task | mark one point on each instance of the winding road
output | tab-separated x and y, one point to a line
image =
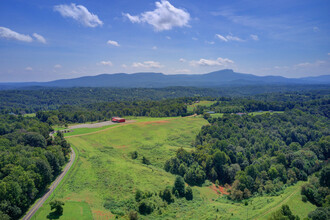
51	189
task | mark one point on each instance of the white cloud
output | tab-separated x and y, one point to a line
218	62
228	38
194	38
147	64
154	48
28	68
254	37
164	17
9	34
39	38
168	38
233	38
182	71
106	63
124	66
79	13
308	64
210	42
328	54
57	66
113	43
221	37
182	60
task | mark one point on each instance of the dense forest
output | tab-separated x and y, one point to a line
262	153
37	98
104	111
29	161
251	154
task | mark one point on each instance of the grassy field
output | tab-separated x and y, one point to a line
265	112
30	115
190	108
105	173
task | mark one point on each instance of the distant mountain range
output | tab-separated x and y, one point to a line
221	78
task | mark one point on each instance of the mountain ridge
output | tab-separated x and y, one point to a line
225	77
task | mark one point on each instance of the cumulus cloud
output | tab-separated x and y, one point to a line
79	13
113	43
28	68
164	17
182	60
218	62
254	37
39	38
154	48
9	34
57	66
228	38
147	64
106	63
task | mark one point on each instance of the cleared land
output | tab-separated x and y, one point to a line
190	108
105	172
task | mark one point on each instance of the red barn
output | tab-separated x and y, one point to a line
117	119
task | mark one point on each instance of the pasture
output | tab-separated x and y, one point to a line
104	178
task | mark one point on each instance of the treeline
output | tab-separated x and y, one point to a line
316	102
29	161
104	111
39	99
256	154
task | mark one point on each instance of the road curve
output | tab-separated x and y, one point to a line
41	201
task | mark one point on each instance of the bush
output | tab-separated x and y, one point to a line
167	196
304	198
189	193
179	186
320	214
145	207
134	155
133	215
145	161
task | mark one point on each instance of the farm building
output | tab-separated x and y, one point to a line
117	119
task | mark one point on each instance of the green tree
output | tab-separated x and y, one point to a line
189	193
179	186
58	206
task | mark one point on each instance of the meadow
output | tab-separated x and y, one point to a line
104	178
190	108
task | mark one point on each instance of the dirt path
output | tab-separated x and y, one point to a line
95	132
94	125
51	189
278	206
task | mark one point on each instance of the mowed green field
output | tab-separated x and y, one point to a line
104	171
190	108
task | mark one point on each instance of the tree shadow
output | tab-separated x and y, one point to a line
54	215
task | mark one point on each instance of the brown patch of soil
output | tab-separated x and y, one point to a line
218	189
153	122
102	215
121	147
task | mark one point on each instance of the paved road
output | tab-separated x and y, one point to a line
41	201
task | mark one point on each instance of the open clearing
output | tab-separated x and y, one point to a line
104	171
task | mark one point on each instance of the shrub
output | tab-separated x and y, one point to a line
189	193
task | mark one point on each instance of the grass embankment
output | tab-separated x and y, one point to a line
104	171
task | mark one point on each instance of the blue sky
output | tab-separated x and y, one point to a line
46	40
